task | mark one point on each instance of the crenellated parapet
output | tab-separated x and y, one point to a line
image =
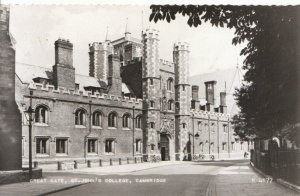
49	91
201	113
95	46
151	34
181	46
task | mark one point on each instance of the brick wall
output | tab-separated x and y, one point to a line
10	118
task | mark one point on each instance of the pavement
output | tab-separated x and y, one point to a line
165	178
241	179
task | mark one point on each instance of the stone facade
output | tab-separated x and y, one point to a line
132	104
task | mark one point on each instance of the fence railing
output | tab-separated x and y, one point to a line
284	164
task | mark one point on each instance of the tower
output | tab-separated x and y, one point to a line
63	70
182	99
99	53
151	92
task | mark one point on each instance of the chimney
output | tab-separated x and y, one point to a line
114	76
195	97
223	107
63	70
210	94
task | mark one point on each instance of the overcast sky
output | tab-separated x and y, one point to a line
35	29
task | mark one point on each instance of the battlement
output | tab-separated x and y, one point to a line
179	46
198	112
100	46
134	60
151	34
166	63
85	95
64	43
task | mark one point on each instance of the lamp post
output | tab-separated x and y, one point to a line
30	111
133	127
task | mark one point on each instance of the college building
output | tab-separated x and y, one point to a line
132	104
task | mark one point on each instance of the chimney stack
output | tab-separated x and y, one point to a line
195	97
63	70
210	94
114	76
223	107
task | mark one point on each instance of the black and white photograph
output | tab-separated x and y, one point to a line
149	98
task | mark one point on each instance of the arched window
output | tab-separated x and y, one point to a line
152	103
170	105
80	117
112	119
41	114
125	120
170	84
97	119
138	122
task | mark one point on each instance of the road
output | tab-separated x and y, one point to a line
188	178
225	178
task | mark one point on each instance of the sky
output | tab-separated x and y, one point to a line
36	27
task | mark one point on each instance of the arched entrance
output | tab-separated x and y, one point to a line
164	147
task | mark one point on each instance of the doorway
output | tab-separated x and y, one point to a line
164	147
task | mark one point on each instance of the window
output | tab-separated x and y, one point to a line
42	145
183	88
138	146
184	125
62	146
76	86
224	144
225	128
170	84
152	125
110	146
170	105
177	105
200	126
92	145
152	146
97	119
212	147
41	113
151	104
80	117
125	120
201	146
151	81
112	119
138	122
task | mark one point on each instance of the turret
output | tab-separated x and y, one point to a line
99	53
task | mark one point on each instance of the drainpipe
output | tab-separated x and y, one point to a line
228	140
90	130
208	134
218	138
193	136
133	127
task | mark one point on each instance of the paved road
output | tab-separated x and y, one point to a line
226	178
178	179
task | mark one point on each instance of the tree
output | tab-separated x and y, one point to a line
269	96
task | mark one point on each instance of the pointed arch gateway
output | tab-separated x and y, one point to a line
165	139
